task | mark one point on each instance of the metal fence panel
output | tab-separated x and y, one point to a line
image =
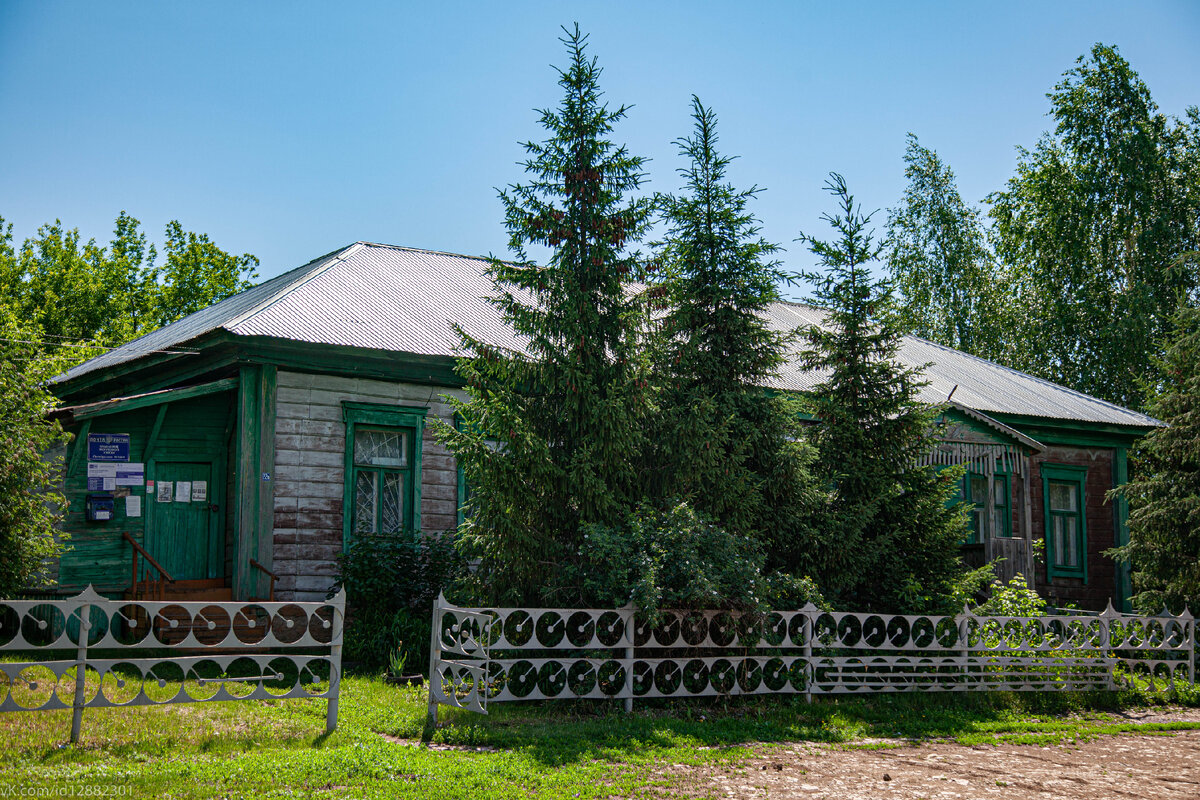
482	655
135	653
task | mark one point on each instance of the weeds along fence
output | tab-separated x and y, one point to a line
143	653
489	655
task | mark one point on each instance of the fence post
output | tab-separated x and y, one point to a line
335	660
85	627
628	611
1106	650
810	669
435	639
965	637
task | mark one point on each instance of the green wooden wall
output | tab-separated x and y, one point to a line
191	430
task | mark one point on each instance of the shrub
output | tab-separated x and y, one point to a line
391	580
677	558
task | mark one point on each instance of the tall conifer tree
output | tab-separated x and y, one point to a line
551	434
891	543
725	445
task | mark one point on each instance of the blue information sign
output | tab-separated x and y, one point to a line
108	447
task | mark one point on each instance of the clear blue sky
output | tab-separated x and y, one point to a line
290	129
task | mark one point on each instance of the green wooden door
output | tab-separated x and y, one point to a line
183	533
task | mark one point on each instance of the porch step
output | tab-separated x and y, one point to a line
194	591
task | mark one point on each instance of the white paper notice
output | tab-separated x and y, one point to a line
133	505
164	491
199	491
183	491
131	474
100	469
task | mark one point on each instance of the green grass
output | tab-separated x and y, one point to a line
568	749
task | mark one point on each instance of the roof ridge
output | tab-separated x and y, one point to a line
316	267
408	249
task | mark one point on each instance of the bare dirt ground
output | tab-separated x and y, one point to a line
1165	766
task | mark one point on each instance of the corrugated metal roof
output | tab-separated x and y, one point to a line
406	300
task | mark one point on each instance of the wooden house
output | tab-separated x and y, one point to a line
240	449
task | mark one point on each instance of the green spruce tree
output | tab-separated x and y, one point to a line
552	433
724	445
889	541
1164	496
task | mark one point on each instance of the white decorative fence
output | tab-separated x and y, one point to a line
136	653
482	655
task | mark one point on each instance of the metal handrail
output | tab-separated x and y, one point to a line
269	574
164	577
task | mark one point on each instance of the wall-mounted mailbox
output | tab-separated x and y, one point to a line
98	507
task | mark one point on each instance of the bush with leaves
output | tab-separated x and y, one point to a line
391	580
678	558
31	453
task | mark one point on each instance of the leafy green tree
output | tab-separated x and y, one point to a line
31	452
83	297
552	434
950	289
1092	225
724	445
889	541
1164	495
197	274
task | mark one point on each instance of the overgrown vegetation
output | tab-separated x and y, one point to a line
31	458
1164	495
391	580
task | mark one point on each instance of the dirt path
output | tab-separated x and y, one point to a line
1144	766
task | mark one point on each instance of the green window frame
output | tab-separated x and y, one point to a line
975	484
1064	500
972	490
382	476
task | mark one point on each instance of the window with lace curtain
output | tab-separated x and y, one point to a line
383	469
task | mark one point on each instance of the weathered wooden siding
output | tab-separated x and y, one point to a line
1094	593
310	452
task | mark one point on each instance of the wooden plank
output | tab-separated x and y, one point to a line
246	481
267	391
148	453
79	448
153	399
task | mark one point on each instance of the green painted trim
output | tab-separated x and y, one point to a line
220	350
246	480
359	362
78	448
152	441
1123	590
1073	474
1073	432
154	399
265	548
461	478
386	416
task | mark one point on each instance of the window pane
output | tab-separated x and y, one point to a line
381	448
1064	496
1060	545
1001	492
1000	520
1072	542
978	489
391	509
364	502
